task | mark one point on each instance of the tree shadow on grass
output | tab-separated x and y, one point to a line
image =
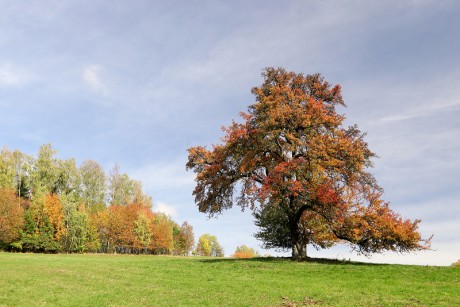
289	259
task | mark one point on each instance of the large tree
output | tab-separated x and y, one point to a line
292	152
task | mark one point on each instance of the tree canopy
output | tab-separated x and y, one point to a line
292	154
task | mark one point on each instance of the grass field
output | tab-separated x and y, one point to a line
95	280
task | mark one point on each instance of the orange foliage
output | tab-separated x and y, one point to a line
243	255
121	225
162	234
11	216
244	252
55	213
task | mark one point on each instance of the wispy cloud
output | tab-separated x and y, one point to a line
11	75
92	75
428	110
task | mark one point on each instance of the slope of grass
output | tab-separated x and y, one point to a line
94	280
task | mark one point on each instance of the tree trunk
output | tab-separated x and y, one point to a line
299	251
299	247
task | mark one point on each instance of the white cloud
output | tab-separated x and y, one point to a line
165	208
11	75
92	77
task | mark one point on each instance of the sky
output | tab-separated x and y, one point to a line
138	82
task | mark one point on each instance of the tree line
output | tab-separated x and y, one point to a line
51	205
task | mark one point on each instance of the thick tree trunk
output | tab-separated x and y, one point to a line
299	246
299	251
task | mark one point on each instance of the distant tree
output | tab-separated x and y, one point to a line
121	227
22	163
11	217
68	178
99	221
456	263
7	169
44	174
188	238
93	188
79	235
162	234
209	246
55	214
122	190
184	239
292	152
142	231
42	228
139	197
14	167
244	251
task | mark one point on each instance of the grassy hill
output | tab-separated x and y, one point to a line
94	280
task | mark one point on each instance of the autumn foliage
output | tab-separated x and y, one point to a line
11	216
55	214
244	252
51	205
292	155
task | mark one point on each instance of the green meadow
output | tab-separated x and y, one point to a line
129	280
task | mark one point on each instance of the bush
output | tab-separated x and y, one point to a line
244	251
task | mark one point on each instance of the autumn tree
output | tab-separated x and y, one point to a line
43	224
208	245
184	239
162	234
121	227
55	213
99	221
244	251
11	217
292	152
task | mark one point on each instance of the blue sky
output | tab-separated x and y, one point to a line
138	82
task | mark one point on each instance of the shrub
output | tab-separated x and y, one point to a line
244	251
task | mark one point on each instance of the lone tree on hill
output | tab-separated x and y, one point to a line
292	154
